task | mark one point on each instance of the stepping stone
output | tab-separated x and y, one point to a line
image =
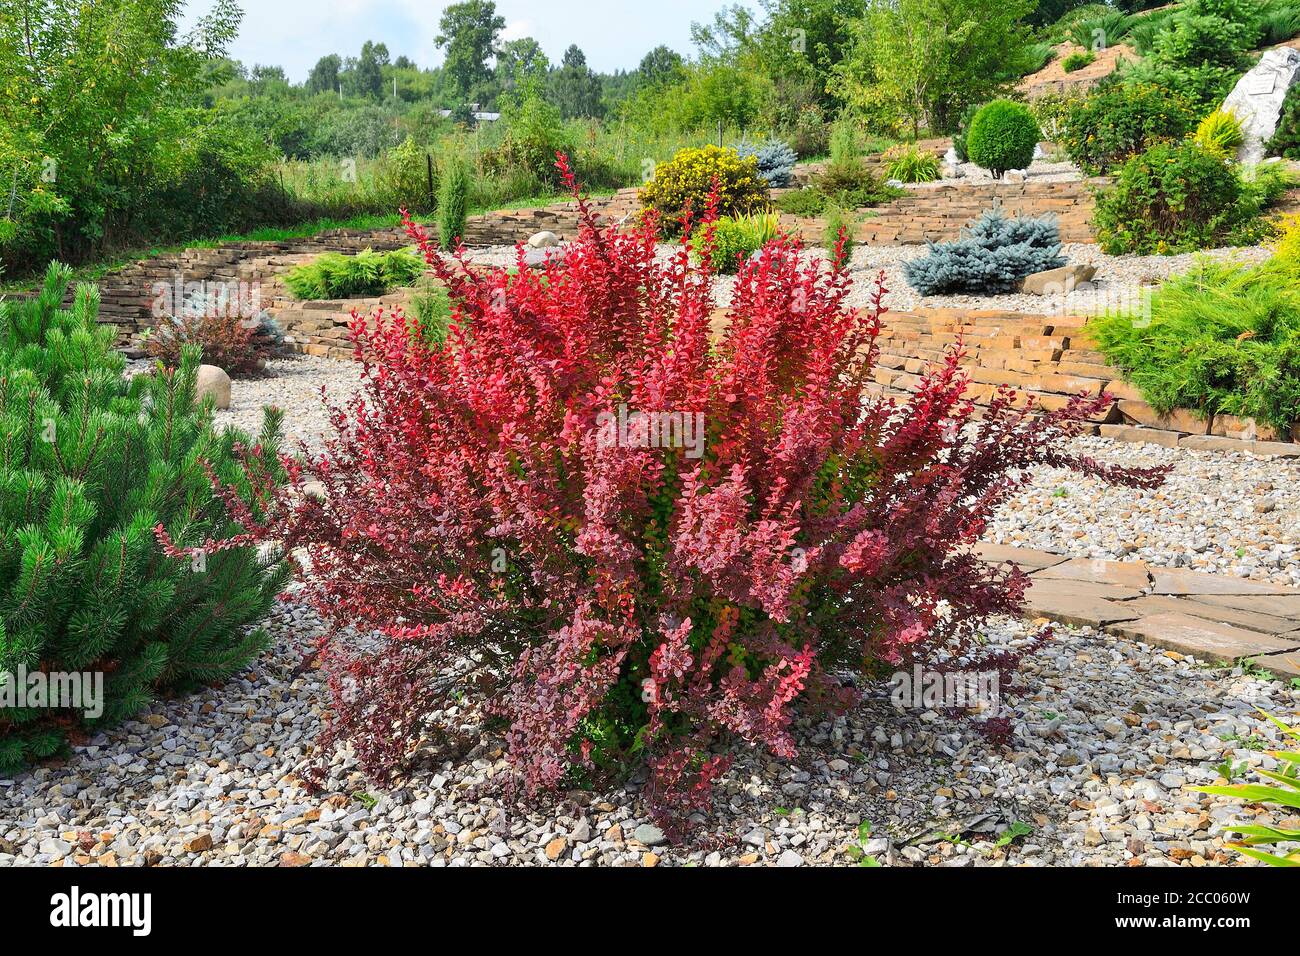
1285	665
1050	587
1080	603
1129	574
1278	605
1027	558
1208	640
1079	611
1197	582
1251	620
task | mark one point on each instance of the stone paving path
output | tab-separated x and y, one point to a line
1212	617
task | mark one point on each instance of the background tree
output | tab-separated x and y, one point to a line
916	63
661	65
469	36
101	105
365	74
520	60
574	87
324	76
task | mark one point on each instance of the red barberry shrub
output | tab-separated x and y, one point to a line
229	340
615	591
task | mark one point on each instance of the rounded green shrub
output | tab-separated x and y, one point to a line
1175	197
1002	136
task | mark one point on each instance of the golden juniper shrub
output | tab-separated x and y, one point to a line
1286	246
689	175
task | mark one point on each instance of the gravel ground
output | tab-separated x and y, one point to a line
1039	171
1108	732
1107	736
293	384
1231	513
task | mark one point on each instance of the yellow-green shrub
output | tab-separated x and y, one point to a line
1286	246
1220	134
737	237
688	178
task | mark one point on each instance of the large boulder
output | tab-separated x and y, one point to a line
215	382
1257	98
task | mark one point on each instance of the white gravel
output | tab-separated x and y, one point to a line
1040	171
294	384
1106	737
1229	513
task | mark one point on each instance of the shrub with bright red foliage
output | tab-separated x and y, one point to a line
618	602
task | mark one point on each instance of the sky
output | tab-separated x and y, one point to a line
614	34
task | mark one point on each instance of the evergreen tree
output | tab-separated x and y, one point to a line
90	464
575	89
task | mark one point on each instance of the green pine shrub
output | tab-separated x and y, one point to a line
1177	197
1116	123
1286	139
1222	338
1002	136
1200	50
91	462
333	275
992	256
453	203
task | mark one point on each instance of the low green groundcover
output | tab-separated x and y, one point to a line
1222	338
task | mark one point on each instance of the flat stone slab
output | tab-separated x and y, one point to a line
1193	582
1265	449
1285	665
1129	574
1080	603
1209	640
1042	588
1028	558
1279	605
1078	610
1251	620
